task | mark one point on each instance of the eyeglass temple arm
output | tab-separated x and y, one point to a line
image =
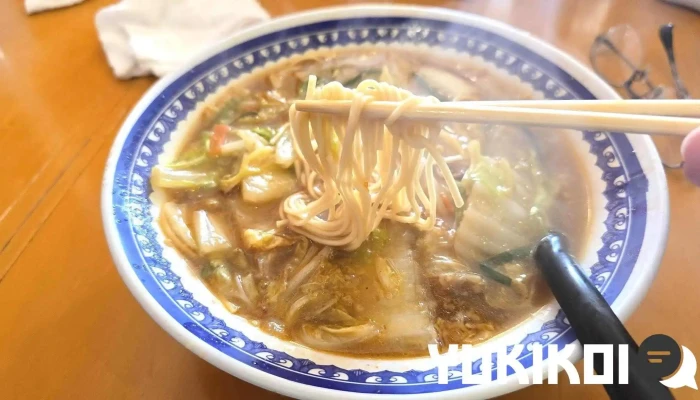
666	36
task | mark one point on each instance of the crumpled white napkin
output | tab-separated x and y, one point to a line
35	6
143	37
693	4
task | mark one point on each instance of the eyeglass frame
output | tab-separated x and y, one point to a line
638	75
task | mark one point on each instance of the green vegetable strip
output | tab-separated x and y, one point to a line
508	256
247	115
228	113
170	178
195	156
495	275
424	85
264	132
488	266
190	162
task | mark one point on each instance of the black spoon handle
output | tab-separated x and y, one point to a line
592	318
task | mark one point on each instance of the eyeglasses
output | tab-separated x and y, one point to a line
618	57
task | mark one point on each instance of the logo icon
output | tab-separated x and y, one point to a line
662	357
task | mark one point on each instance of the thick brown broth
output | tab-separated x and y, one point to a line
403	288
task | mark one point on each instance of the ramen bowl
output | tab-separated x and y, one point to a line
625	241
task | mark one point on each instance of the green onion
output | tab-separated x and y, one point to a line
488	266
247	115
264	132
426	87
508	256
495	275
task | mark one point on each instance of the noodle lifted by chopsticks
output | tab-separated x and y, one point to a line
358	172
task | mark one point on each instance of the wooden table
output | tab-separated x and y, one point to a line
69	328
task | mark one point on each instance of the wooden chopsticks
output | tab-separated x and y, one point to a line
651	117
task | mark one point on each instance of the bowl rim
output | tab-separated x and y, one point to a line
626	302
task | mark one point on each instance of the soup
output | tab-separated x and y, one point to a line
425	271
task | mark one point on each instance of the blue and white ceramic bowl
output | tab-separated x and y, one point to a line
629	214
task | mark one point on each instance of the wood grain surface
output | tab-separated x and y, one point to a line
69	328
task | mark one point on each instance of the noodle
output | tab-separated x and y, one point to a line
357	172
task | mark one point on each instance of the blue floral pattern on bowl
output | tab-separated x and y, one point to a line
625	192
